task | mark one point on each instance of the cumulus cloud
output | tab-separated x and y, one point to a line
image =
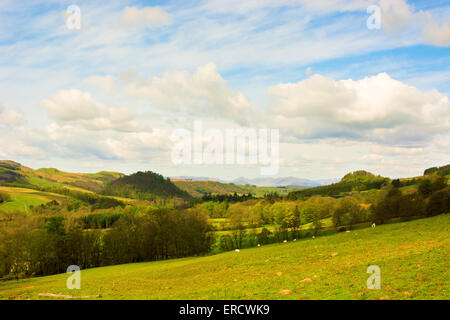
9	118
151	17
139	145
397	16
204	92
79	108
376	108
387	150
105	83
438	35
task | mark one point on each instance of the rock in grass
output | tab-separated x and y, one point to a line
285	292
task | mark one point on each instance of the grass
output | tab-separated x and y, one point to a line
413	257
217	222
12	173
198	188
22	198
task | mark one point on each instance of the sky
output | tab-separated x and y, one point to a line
344	92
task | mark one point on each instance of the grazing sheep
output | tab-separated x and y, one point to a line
259	245
313	237
294	240
373	225
237	250
285	241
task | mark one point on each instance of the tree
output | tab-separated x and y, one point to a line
388	205
348	212
439	202
426	187
292	220
411	205
396	183
317	224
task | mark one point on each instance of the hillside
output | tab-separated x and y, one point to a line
412	256
198	188
145	186
15	174
441	171
354	181
23	198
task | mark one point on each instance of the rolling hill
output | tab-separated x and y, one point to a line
412	257
354	181
15	174
197	188
145	186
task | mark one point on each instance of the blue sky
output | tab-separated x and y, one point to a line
344	97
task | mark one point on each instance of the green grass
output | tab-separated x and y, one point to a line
22	198
327	222
198	188
413	257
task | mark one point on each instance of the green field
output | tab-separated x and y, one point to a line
22	198
413	257
198	188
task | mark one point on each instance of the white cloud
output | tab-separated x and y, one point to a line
397	150
139	145
250	6
151	17
205	92
9	118
79	108
435	34
376	108
397	16
105	83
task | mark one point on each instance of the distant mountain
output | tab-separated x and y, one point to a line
281	182
264	182
197	179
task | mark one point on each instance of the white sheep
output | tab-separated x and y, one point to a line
237	250
285	241
259	245
294	240
373	225
313	237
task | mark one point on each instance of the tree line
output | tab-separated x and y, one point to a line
431	198
38	246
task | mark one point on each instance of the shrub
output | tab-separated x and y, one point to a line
4	197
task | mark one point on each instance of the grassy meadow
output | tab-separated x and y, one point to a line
22	198
413	257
